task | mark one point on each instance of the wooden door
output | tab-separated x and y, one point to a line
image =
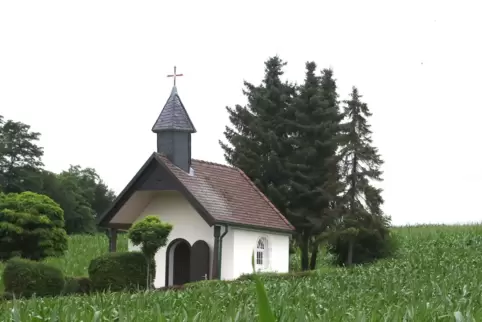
199	261
181	264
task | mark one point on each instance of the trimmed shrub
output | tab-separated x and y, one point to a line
151	234
120	271
31	226
24	278
271	276
77	285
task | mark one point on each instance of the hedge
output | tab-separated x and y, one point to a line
120	271
77	285
24	278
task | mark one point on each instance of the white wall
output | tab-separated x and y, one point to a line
227	255
173	208
244	243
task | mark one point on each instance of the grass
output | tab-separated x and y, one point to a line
435	277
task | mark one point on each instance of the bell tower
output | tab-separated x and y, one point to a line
173	128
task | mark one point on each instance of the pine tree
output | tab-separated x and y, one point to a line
315	184
257	142
363	233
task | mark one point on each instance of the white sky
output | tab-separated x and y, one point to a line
91	77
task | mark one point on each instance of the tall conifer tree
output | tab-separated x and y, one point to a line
315	183
257	141
363	234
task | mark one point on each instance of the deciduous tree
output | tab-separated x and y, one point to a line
20	156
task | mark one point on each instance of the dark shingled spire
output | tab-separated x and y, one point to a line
173	116
173	128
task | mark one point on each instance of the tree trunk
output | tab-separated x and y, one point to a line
305	247
148	283
314	255
349	259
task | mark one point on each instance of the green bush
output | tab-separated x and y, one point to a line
368	246
24	278
77	285
120	271
31	226
269	276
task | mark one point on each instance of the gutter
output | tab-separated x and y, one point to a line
220	251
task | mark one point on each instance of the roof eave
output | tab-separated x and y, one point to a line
257	227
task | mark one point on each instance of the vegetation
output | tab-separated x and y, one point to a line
31	226
120	271
313	162
77	285
425	281
150	234
25	278
363	232
80	191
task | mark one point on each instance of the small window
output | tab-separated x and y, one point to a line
262	253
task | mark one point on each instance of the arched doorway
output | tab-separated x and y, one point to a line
178	262
186	263
199	261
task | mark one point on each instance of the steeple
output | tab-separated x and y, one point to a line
173	128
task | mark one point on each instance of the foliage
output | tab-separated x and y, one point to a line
423	282
25	278
271	276
370	244
315	184
120	271
81	250
80	192
257	142
77	285
151	234
31	226
20	156
87	197
363	229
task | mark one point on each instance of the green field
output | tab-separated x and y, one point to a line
436	276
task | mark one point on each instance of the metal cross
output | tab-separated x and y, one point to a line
175	75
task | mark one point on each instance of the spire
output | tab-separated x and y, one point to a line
173	116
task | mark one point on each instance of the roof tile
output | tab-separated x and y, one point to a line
229	195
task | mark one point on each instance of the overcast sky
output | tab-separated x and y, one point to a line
91	77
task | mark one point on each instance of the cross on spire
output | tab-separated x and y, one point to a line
175	75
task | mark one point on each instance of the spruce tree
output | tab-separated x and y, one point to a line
257	142
363	233
313	163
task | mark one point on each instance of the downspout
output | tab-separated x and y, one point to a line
220	251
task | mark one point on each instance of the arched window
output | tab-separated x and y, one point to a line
262	253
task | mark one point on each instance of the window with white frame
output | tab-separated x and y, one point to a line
262	256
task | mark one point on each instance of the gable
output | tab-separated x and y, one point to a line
153	176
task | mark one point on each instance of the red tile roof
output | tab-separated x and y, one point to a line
229	195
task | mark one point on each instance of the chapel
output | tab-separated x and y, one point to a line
218	214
